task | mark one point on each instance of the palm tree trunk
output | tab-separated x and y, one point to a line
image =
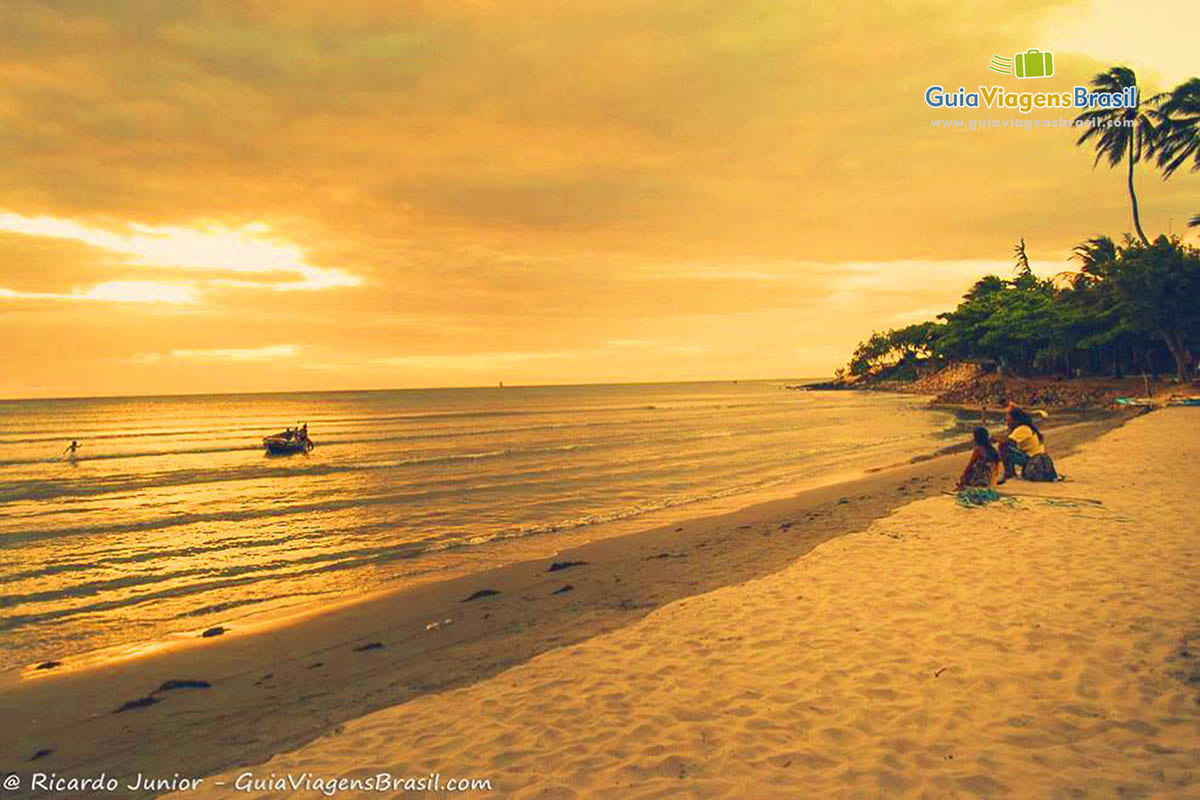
1137	220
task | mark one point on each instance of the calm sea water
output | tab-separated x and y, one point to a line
172	517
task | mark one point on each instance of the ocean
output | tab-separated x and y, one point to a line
171	517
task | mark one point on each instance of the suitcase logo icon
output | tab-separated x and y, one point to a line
1033	63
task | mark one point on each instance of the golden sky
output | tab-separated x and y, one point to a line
236	196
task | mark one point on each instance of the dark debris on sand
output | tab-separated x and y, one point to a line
180	683
369	646
211	632
557	565
141	702
564	589
481	593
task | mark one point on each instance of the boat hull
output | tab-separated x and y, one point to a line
282	447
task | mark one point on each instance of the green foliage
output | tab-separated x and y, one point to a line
906	346
1158	289
1010	323
1130	308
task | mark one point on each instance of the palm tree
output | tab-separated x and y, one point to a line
1022	269
1120	134
1179	130
1094	257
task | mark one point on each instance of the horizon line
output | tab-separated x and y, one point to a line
49	398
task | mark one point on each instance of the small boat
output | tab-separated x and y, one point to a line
1184	401
288	442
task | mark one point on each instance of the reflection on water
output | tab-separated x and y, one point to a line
171	516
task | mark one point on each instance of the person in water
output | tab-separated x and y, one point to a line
1024	446
985	466
71	448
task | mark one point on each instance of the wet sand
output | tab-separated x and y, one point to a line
277	687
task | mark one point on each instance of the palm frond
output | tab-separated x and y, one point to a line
1108	128
1179	128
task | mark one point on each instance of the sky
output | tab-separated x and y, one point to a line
260	196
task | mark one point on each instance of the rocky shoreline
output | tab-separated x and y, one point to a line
966	385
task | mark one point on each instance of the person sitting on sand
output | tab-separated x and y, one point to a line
985	467
1024	446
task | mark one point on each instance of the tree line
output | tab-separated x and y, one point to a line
1130	308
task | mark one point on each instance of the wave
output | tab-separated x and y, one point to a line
58	434
324	442
609	472
35	489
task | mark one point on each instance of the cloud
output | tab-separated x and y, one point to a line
653	345
117	292
245	250
265	353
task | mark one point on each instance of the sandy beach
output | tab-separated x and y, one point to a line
1041	646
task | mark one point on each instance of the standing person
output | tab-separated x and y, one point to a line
1024	446
71	448
985	467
